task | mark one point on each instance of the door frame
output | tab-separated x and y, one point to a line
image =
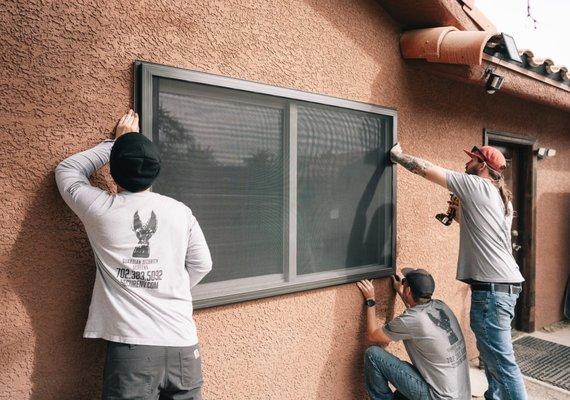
528	146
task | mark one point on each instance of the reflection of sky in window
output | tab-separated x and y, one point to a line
233	130
335	131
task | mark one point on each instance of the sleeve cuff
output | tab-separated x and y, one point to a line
388	333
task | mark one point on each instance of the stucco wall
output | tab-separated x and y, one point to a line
553	227
66	77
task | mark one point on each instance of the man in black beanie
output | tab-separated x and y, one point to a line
149	252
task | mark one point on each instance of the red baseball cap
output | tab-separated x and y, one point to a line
493	157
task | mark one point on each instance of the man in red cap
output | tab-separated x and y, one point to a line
485	258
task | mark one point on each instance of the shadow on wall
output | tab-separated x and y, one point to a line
351	379
553	259
358	244
51	270
348	383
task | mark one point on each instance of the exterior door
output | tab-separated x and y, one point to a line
520	178
514	175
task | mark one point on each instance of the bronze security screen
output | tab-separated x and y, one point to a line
223	158
292	190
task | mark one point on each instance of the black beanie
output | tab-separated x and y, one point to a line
135	162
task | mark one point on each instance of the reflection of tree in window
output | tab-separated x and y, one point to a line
183	158
264	167
340	202
234	186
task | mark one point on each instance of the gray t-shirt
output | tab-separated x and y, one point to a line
485	252
434	341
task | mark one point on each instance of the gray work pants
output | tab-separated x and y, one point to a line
136	372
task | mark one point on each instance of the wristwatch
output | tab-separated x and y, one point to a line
370	303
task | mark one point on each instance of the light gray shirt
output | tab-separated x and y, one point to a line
435	344
149	252
485	252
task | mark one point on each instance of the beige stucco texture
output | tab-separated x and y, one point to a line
66	75
553	228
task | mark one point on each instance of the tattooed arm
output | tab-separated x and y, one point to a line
419	167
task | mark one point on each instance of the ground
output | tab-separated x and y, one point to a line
558	333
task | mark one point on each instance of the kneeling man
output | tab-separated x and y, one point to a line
432	338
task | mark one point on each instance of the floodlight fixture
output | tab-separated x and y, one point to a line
544	152
494	81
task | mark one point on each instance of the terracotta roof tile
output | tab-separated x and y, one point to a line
543	66
443	38
446	45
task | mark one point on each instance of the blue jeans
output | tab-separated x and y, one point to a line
381	367
491	316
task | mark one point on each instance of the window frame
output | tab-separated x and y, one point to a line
250	288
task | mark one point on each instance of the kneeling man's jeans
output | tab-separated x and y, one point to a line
491	316
134	372
381	367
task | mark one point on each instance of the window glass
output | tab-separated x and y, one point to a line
223	158
343	192
273	227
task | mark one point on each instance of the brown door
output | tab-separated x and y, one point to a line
514	175
519	178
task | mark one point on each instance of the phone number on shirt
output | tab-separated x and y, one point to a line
125	273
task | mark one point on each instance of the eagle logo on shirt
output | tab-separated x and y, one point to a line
444	323
144	232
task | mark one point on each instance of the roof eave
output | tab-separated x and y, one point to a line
518	81
462	14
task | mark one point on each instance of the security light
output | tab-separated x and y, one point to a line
494	81
543	153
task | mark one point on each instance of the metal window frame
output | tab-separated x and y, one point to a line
238	290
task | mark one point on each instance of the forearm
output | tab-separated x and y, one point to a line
198	257
199	265
374	332
422	168
80	166
371	321
197	274
72	177
413	164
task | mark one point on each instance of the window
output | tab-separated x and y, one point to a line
293	190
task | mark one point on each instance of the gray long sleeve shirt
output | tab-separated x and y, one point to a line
149	252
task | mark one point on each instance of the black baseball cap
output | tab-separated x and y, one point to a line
135	162
420	281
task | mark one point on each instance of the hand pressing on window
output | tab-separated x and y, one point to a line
366	288
127	124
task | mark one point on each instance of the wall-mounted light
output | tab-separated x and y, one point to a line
543	153
494	81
